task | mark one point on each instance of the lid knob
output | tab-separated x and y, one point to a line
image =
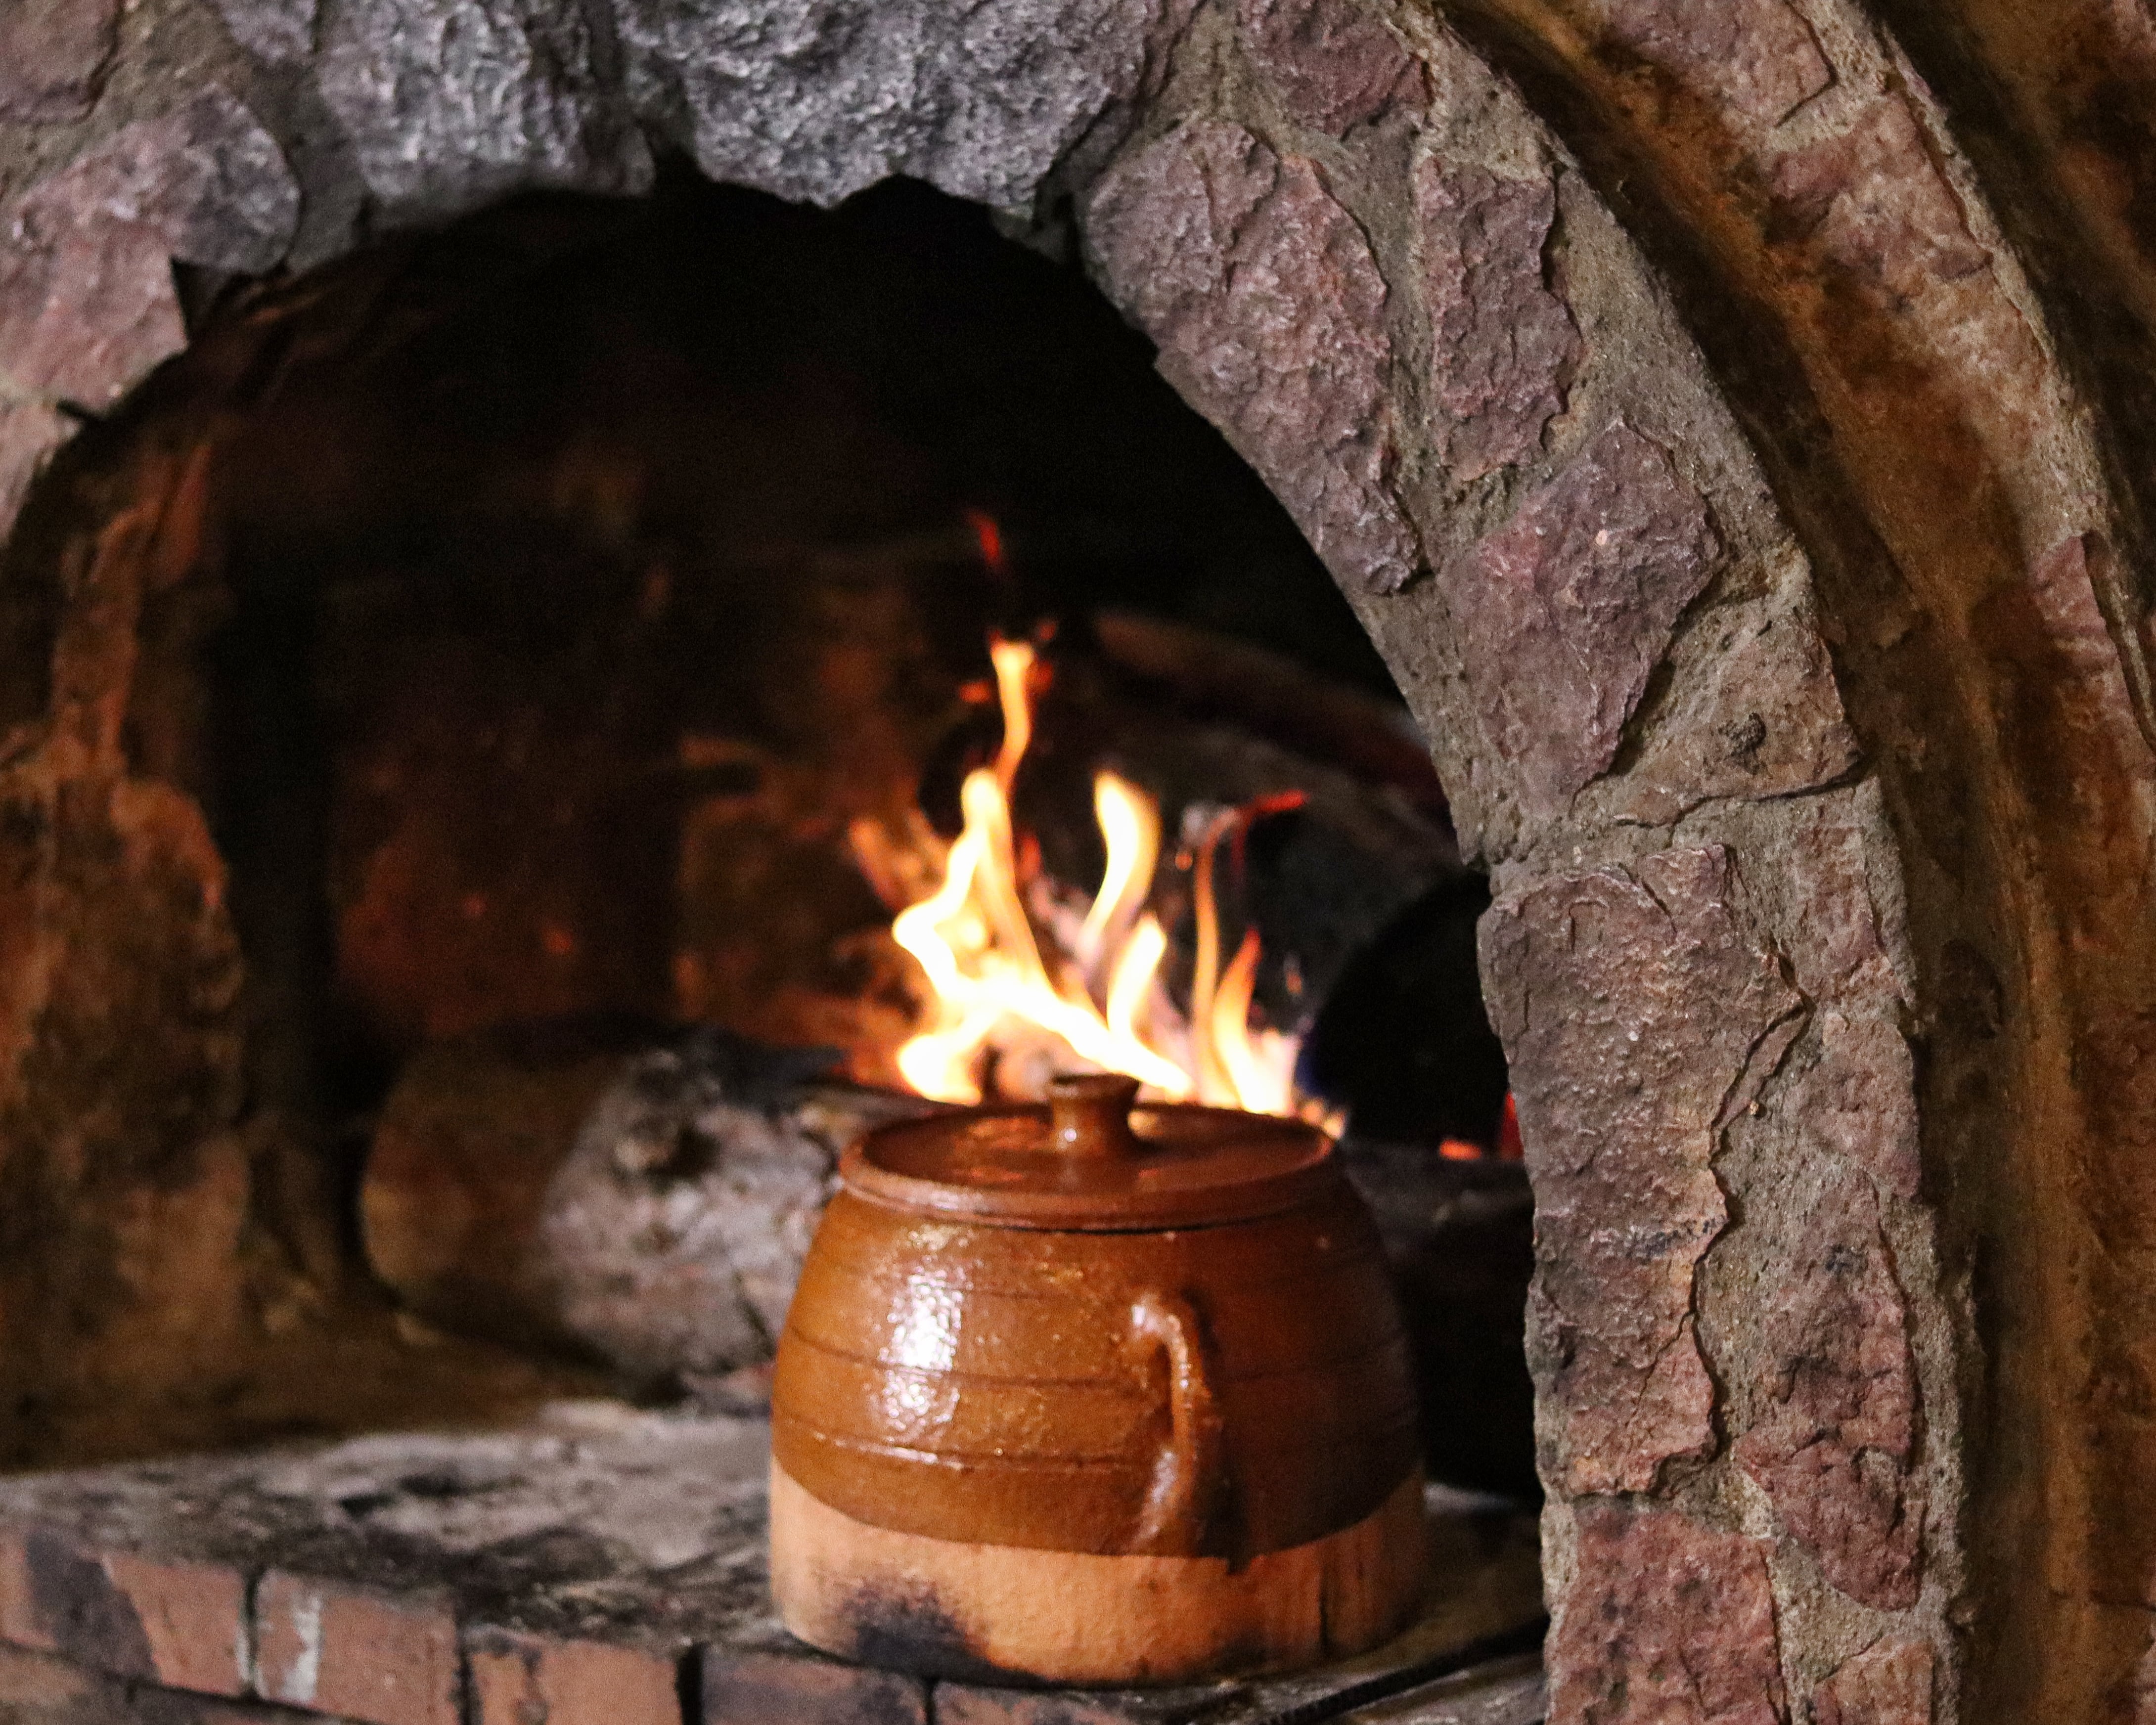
1089	1114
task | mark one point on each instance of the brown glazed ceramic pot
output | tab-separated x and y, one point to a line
1093	1395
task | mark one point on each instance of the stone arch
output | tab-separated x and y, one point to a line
1690	437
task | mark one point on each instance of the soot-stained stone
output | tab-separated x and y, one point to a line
1872	200
450	104
1753	60
1860	1096
1334	64
1637	1015
173	1622
273	30
87	304
1503	346
815	99
783	1689
1889	1683
1833	1450
1667	1622
1263	296
1568	608
53	54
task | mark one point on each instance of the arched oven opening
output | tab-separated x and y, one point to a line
586	631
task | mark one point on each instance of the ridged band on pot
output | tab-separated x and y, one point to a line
1033	1331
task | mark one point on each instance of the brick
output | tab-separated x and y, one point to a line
1637	1014
39	1689
87	305
1264	301
965	1704
1872	201
1568	607
1889	1683
166	1620
1335	65
1751	60
54	56
1666	1621
19	1623
521	1679
1833	1449
1503	346
169	1706
769	1688
333	1647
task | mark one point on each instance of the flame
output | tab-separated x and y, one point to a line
993	989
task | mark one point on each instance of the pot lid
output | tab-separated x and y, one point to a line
1090	1159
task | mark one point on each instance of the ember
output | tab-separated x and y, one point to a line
1007	1007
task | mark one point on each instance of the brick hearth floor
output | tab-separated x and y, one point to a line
597	1565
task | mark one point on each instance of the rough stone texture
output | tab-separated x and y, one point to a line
53	54
1637	1015
1335	65
277	31
1826	891
1503	346
1833	1451
1756	59
535	1679
1265	302
1566	608
87	304
2062	591
1873	202
29	433
1754	711
1860	1096
1666	1622
1889	1683
815	99
452	104
388	1658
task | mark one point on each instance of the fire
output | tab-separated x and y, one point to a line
1094	1000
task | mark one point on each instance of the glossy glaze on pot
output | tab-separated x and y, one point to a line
1217	1390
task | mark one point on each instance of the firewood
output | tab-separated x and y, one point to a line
642	1200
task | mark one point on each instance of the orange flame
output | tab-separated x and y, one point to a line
993	989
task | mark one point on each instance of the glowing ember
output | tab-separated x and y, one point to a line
1000	1004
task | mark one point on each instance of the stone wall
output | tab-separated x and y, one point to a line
1722	416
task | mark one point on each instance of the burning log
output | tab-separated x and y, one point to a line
1131	887
640	1198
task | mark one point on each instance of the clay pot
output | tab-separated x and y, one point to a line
1094	1395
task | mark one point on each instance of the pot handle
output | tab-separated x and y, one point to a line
1190	1475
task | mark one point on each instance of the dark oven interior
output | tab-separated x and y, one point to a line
575	626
